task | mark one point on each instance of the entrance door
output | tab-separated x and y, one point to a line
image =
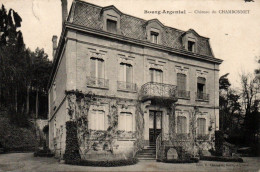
155	125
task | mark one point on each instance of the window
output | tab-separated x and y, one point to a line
111	26
201	125
97	68
154	37
181	81
156	75
54	91
201	82
181	124
191	46
125	121
96	120
126	73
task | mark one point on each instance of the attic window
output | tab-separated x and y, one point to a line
154	37
191	46
111	26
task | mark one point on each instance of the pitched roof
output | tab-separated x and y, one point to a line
90	15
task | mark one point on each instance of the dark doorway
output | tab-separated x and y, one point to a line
155	126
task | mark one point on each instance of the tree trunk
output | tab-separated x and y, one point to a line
28	100
16	104
36	104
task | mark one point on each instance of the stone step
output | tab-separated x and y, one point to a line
149	147
147	153
147	159
146	156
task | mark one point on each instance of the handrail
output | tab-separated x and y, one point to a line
158	144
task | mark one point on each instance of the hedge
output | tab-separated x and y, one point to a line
72	146
43	153
108	163
221	159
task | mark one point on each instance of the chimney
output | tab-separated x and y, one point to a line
54	45
64	10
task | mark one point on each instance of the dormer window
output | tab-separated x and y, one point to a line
111	26
191	46
154	37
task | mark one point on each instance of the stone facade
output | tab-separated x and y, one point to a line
84	38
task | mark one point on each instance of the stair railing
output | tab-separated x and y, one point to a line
158	144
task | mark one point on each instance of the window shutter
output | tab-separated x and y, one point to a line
201	122
100	68
129	122
93	67
181	81
129	73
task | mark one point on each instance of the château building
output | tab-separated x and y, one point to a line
131	85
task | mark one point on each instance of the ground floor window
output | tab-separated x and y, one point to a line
96	120
201	125
181	124
125	121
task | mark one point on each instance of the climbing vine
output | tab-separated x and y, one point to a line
78	108
139	127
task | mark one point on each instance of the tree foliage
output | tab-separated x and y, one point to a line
229	105
23	73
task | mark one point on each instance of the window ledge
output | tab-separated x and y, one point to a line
185	98
128	91
202	100
98	87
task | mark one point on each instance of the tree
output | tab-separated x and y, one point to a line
230	108
23	73
250	101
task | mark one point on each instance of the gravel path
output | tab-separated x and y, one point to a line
26	162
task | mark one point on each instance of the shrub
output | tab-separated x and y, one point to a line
15	138
72	146
43	153
108	163
220	158
219	140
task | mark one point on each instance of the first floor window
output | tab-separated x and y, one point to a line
156	75
201	84
97	68
201	125
181	124
126	73
96	120
125	121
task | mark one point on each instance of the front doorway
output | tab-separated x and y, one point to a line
155	126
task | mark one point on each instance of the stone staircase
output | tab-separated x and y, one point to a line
148	153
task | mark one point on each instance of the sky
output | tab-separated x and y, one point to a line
234	38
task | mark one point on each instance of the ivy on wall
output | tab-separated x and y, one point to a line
72	146
139	127
78	108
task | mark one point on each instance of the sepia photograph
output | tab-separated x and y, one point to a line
129	85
